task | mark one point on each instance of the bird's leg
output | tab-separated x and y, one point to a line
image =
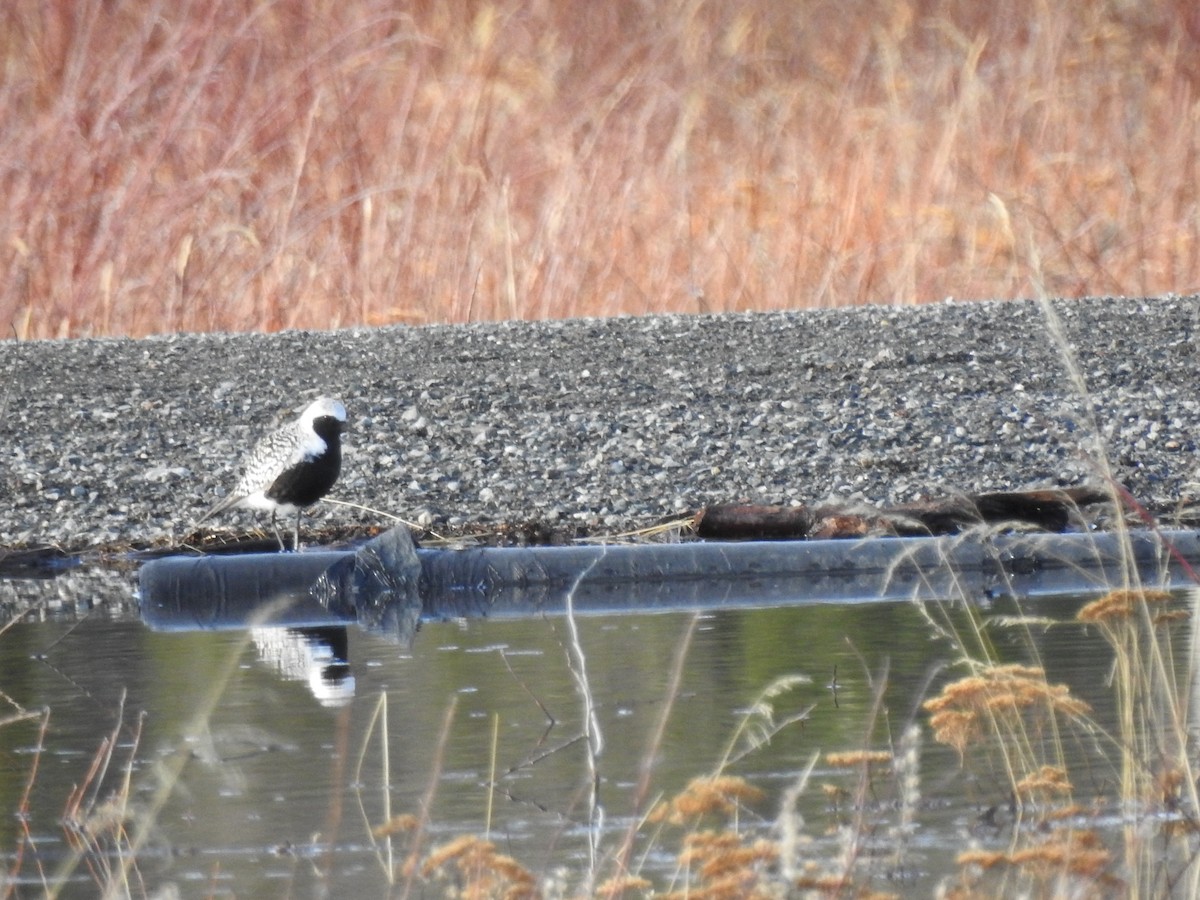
296	536
278	536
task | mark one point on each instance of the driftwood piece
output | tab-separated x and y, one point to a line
1049	510
750	522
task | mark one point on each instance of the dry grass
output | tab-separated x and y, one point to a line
1001	699
251	165
479	871
1012	726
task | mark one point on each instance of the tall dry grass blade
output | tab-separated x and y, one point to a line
411	865
790	824
758	725
594	738
26	839
621	860
493	750
378	719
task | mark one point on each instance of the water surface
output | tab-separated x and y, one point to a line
279	786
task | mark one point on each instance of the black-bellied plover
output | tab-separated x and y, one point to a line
293	467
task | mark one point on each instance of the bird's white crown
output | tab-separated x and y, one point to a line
323	406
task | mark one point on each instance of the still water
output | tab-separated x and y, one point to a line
259	766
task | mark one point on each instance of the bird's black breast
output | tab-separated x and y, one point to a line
308	481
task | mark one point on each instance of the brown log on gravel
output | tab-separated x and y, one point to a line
1050	510
747	522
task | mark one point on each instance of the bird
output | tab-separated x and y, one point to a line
292	467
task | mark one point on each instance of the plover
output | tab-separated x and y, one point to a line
293	467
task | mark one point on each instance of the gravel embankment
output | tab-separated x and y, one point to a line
602	425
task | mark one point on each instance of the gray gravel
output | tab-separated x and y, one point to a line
602	425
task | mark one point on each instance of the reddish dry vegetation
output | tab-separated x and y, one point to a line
254	165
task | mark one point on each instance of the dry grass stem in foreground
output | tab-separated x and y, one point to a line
1000	699
479	871
705	796
1065	861
1120	605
